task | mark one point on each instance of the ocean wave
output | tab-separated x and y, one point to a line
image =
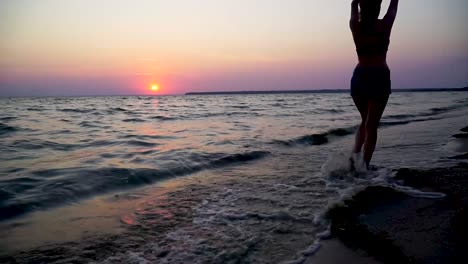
64	132
329	111
36	109
442	110
418	117
461	135
243	157
143	137
409	118
41	144
439	110
323	138
133	120
239	106
393	123
317	139
4	129
400	116
88	124
118	109
239	113
52	187
71	110
4	195
47	144
141	143
97	143
163	118
8	118
250	113
404	122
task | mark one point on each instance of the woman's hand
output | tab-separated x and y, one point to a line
355	4
354	14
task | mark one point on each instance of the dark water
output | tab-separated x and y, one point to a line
262	155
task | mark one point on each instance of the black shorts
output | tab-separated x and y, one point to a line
371	82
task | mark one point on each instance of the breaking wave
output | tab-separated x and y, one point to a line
45	188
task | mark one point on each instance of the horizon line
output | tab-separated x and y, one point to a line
462	89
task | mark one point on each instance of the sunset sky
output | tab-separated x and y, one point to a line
107	47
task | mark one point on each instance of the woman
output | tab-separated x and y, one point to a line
370	85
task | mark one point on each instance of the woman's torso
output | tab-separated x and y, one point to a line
372	45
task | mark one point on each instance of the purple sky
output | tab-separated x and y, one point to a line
54	47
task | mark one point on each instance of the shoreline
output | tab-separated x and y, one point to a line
394	227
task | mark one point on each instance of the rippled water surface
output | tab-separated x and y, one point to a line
251	165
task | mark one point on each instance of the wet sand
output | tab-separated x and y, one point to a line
393	227
334	251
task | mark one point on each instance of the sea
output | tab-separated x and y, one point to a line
199	178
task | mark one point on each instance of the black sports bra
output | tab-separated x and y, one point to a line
372	43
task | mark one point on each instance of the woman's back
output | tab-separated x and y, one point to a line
371	35
372	42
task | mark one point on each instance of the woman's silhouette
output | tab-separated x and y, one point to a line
370	85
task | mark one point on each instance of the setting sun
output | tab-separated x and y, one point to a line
154	87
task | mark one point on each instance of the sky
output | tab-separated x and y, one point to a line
117	47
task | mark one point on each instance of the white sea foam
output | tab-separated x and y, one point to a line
417	193
347	174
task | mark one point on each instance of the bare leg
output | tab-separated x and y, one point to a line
375	110
362	106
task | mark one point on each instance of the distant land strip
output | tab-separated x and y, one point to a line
328	91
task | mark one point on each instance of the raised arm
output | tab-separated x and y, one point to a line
354	14
389	18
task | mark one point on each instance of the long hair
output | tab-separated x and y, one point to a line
369	13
